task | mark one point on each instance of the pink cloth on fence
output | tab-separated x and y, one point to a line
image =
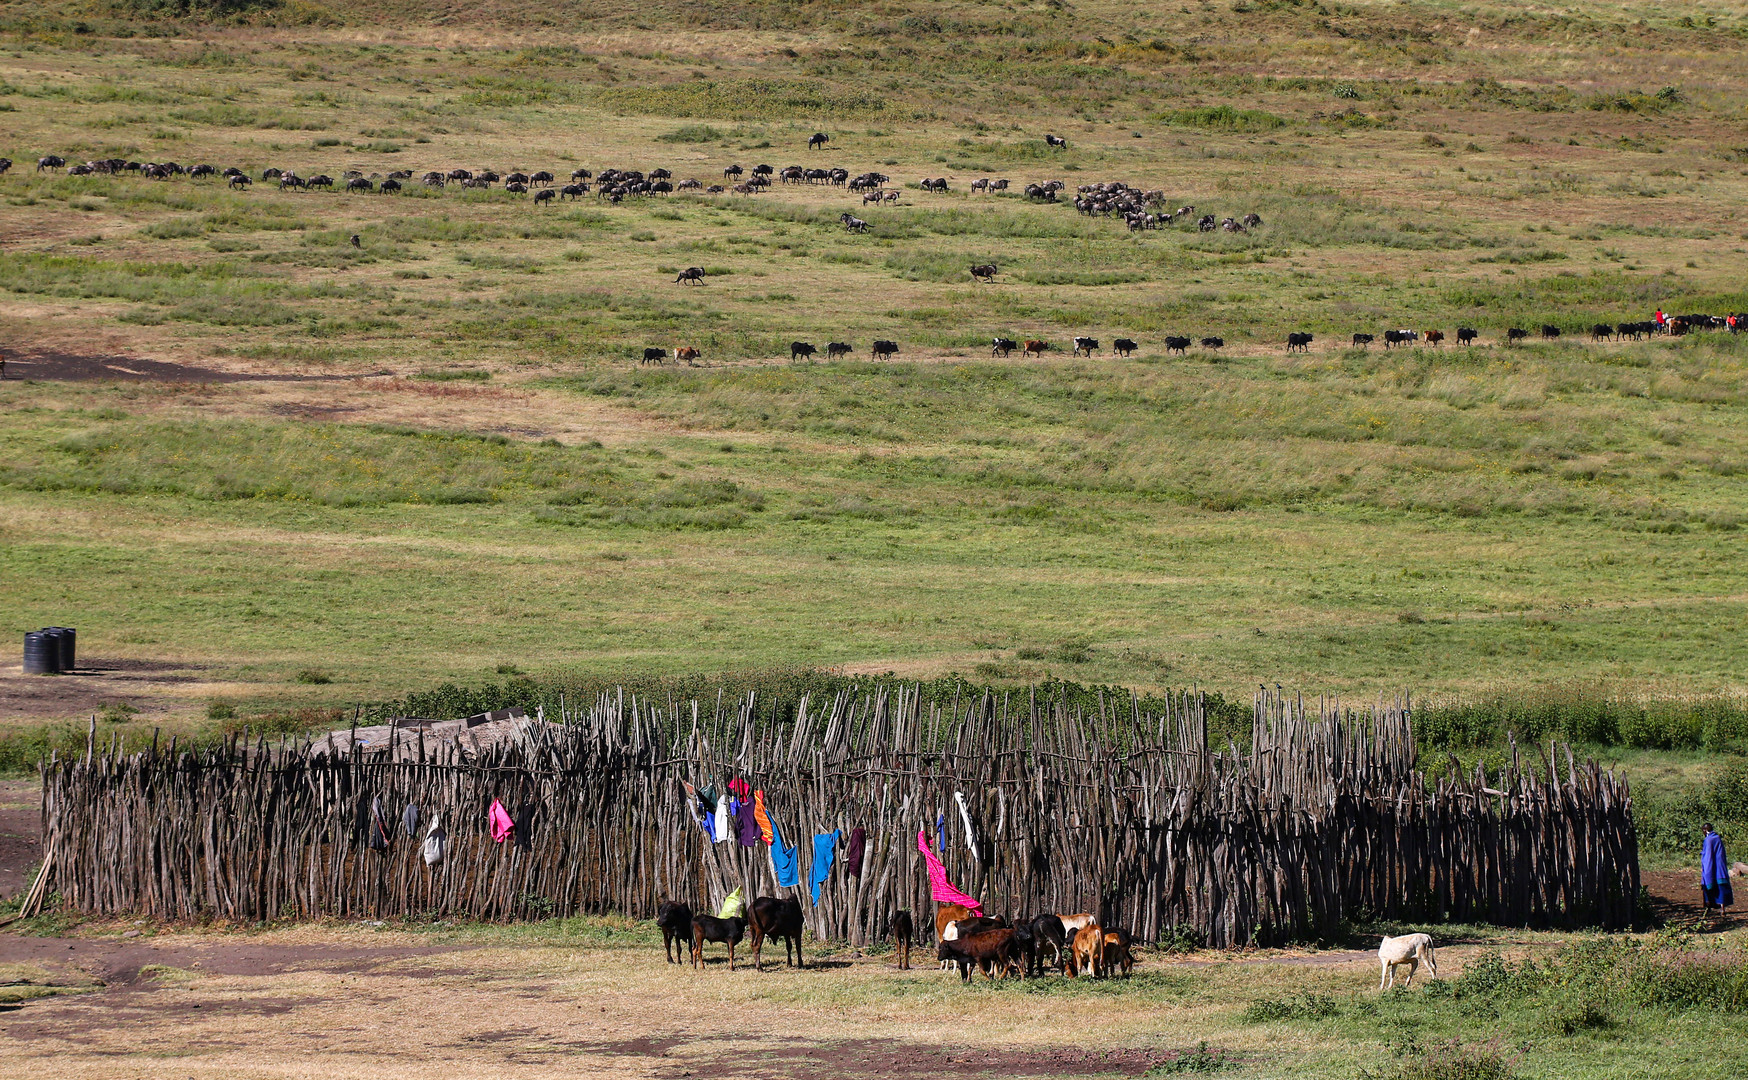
939	887
502	826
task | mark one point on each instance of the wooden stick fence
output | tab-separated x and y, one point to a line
1327	815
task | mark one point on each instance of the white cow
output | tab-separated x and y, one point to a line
1409	950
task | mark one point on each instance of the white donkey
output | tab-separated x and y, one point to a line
1409	950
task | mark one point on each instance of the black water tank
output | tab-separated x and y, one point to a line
69	640
42	654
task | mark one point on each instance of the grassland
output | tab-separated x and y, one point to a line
518	493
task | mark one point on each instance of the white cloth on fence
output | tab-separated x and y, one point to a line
970	836
723	826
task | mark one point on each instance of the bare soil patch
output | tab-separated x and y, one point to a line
72	367
20	834
145	685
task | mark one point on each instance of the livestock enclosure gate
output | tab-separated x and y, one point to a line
1327	815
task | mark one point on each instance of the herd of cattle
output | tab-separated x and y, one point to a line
1072	944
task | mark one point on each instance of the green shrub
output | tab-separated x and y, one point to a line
1224	118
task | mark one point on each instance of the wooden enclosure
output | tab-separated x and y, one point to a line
1327	816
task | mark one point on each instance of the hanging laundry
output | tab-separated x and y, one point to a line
824	849
707	798
436	842
378	828
724	821
941	829
695	804
740	787
970	835
525	826
410	820
939	887
500	821
853	854
761	817
733	907
784	861
746	825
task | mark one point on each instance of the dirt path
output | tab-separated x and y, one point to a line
71	367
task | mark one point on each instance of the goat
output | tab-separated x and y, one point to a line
675	920
710	928
777	918
1410	951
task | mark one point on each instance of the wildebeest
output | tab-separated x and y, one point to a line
773	917
692	275
5	164
357	241
544	195
799	349
1213	343
514	187
1301	342
1002	346
1036	348
581	174
1433	337
239	180
50	162
1515	334
710	928
1601	331
272	174
1252	220
1362	340
1467	334
1550	331
733	172
573	191
1123	346
817	140
1410	951
1176	344
687	353
853	223
201	170
542	177
459	174
902	931
675	920
360	184
835	349
1055	140
984	272
1086	345
653	355
321	180
884	350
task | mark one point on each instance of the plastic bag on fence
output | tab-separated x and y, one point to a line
436	842
733	907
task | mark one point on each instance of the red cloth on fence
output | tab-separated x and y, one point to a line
939	887
740	787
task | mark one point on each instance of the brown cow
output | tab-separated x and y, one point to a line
1088	953
1119	952
990	950
686	353
945	916
1036	348
1433	337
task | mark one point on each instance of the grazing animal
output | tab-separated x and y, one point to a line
1550	332
50	162
544	195
1515	334
1467	334
360	184
1301	342
5	164
1410	951
946	915
1601	331
573	191
1176	345
1119	954
1213	343
1252	220
357	241
687	353
733	172
1086	345
835	349
799	349
1047	930
1055	140
885	350
238	180
817	140
581	174
1002	346
902	931
1088	952
989	951
542	177
1392	338
675	919
1433	337
1362	340
984	272
1123	346
854	224
692	275
723	931
388	186
777	918
1036	348
321	181
653	355
514	187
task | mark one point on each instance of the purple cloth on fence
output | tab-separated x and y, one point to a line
746	826
853	854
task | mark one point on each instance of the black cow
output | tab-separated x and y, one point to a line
902	930
1550	332
1002	346
799	349
885	350
653	355
710	928
1515	334
692	275
1601	331
1123	346
1176	345
1300	342
675	919
835	349
777	918
1466	335
1047	931
1362	340
1213	343
1085	344
1396	337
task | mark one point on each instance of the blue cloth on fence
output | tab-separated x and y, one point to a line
825	847
784	860
941	829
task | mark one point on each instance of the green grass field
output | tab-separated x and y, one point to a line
519	492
